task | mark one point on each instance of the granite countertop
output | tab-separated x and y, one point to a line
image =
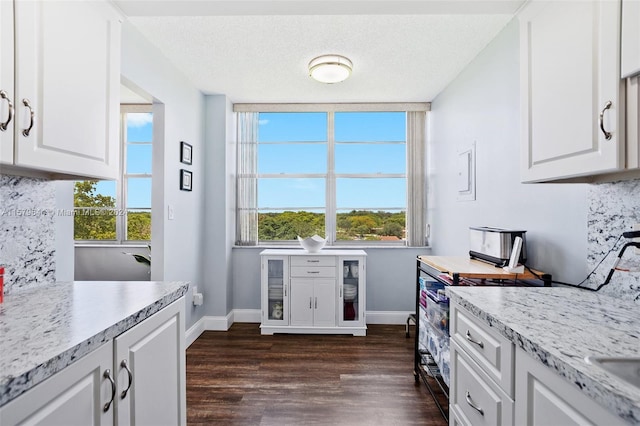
560	327
45	329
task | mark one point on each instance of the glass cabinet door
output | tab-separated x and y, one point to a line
276	291
351	294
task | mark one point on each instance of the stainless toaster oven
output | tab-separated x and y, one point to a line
494	245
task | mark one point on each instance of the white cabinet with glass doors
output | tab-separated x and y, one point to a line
321	293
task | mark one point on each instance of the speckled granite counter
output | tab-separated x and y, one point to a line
44	329
560	327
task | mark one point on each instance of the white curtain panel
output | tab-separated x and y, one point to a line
416	178
247	190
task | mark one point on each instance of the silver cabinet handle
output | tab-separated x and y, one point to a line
107	375
285	289
313	261
32	114
473	405
316	303
313	272
477	342
124	365
607	135
5	125
310	303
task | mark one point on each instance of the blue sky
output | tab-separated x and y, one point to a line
139	129
308	156
352	156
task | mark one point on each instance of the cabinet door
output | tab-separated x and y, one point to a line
275	288
569	72
302	301
6	82
154	352
68	71
351	291
74	396
544	398
324	302
630	44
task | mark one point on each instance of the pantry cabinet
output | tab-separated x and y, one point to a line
137	378
64	89
313	292
572	98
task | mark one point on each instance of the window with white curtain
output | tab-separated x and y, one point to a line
352	174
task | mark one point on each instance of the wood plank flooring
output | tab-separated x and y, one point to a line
242	378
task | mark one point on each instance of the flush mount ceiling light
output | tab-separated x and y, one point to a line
330	68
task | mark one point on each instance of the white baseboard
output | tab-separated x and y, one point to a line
388	317
210	323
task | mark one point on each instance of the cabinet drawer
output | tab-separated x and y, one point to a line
492	351
475	398
313	261
313	271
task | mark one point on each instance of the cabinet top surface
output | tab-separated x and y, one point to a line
45	329
301	252
471	268
560	327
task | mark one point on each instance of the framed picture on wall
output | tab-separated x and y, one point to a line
186	151
185	180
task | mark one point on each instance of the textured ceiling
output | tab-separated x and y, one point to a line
226	47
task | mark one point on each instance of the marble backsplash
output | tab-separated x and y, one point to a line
613	209
27	231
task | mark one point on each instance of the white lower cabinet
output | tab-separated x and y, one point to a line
99	389
492	383
474	397
153	352
313	302
482	363
313	292
77	395
544	398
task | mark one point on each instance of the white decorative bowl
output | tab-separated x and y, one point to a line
312	244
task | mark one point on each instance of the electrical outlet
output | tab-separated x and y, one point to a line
636	227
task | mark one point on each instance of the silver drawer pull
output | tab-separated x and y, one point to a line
607	135
4	95
107	375
474	406
313	261
313	272
469	338
124	365
27	104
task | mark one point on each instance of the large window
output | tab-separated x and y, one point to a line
339	174
120	211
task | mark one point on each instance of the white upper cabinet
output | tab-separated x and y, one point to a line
572	121
630	38
7	93
66	91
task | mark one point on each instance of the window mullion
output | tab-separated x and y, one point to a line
330	213
121	219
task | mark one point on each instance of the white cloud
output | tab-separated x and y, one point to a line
263	122
139	119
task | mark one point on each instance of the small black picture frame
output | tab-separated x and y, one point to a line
185	180
186	153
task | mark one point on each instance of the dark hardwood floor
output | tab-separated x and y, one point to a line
242	378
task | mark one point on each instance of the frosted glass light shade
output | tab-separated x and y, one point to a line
330	68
